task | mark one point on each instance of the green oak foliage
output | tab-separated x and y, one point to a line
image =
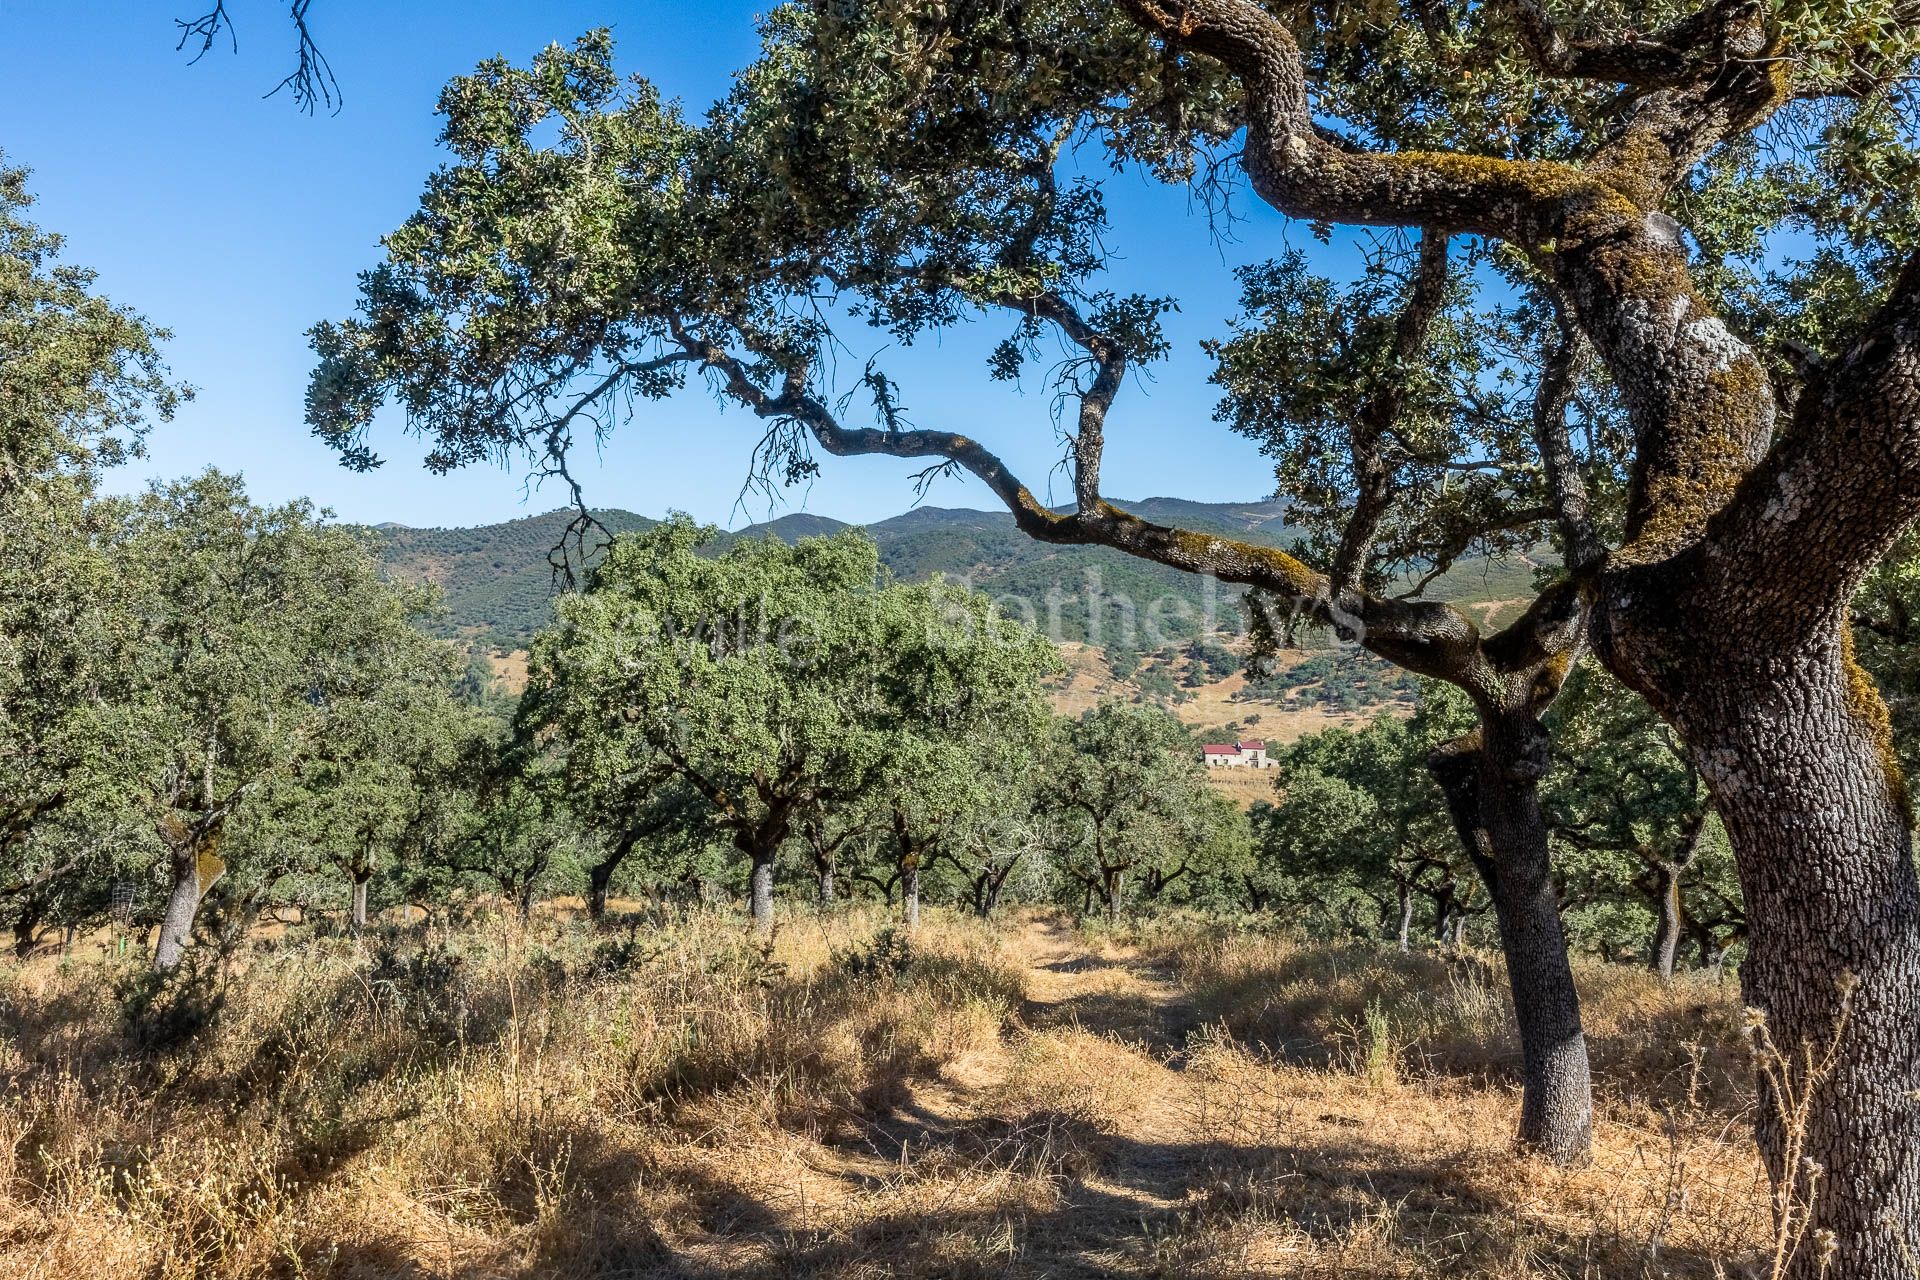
75	728
1308	357
640	814
1359	831
1641	862
81	379
369	793
781	684
926	168
523	838
966	722
1127	798
1632	828
269	639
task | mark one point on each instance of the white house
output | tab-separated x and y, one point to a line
1238	755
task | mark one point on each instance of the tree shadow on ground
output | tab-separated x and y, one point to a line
1147	1209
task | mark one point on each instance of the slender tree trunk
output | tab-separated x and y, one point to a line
1406	917
1666	932
760	893
358	912
1798	754
32	912
26	930
1492	794
1115	884
600	875
1256	900
823	868
599	880
183	904
1444	900
910	892
1703	945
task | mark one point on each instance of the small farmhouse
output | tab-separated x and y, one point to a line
1238	755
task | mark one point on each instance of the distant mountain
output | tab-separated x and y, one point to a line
498	581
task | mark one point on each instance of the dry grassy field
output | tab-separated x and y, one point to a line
1024	1099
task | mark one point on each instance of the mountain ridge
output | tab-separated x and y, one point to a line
498	582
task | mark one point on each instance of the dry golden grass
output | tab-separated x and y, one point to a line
1245	787
1022	1100
1087	681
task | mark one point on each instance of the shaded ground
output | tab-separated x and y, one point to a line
1017	1100
1108	1134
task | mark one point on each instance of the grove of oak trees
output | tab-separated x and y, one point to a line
1583	319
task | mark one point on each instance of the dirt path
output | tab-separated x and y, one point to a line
1094	1135
1090	1080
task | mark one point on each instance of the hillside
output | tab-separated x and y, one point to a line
498	581
1127	629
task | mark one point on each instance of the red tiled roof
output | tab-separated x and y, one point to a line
1253	746
1212	749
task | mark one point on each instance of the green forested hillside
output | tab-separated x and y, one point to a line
498	580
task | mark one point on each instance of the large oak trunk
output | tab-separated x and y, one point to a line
1795	749
1493	796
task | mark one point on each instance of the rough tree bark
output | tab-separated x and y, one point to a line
357	914
1491	782
1795	749
760	892
191	880
910	892
1404	935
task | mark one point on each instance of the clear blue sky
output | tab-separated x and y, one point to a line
239	222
